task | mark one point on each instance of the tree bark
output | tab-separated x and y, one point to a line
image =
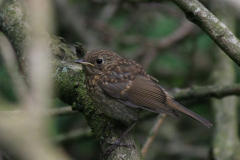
68	78
225	142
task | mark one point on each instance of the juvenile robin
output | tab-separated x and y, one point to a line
119	88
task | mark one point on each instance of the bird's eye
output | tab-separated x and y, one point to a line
99	61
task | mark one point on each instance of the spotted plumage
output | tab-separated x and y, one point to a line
120	87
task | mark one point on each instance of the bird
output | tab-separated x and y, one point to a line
121	88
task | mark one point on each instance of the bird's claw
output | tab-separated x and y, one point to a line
114	146
124	145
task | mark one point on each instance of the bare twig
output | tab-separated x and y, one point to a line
49	112
164	8
184	30
179	34
80	133
206	92
218	31
153	133
149	55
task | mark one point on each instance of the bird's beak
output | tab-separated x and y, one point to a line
81	61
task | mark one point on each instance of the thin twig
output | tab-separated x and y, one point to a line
80	133
49	112
216	91
179	34
153	133
184	30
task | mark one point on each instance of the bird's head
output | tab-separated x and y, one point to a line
98	62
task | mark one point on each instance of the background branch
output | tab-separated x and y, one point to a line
26	136
153	133
226	140
219	32
217	91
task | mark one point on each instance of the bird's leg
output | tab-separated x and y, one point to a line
117	143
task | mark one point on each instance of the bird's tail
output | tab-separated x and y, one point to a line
178	107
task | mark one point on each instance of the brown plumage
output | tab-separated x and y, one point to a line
120	87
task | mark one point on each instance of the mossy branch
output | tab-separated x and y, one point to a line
68	77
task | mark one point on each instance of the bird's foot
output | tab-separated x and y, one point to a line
115	145
118	143
121	144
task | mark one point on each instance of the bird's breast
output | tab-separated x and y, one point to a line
108	105
91	82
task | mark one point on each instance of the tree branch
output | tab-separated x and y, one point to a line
194	92
49	112
224	38
217	91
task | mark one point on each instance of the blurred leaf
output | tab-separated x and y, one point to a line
204	42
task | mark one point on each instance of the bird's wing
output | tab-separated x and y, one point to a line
141	92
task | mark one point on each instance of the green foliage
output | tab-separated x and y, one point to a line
160	27
204	42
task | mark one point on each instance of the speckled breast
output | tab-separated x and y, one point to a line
108	105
